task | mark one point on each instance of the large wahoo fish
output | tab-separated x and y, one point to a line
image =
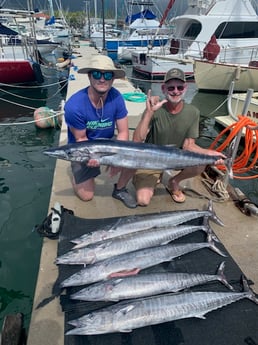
125	316
133	262
148	284
132	155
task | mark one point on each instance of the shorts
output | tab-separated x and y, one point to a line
146	178
81	172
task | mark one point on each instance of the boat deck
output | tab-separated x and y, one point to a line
239	236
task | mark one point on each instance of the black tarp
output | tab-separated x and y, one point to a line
235	324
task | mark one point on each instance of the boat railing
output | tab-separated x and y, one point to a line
228	54
14	47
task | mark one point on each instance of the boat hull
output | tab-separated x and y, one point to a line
18	72
212	76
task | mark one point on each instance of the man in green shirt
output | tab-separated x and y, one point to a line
169	122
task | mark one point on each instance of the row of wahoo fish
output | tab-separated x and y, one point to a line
127	247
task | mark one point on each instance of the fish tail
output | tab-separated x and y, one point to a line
228	164
222	278
213	215
206	227
249	293
213	247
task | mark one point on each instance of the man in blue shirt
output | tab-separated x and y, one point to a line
94	113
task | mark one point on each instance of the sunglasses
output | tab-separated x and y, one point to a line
106	75
178	87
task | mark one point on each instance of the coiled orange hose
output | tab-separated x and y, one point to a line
247	159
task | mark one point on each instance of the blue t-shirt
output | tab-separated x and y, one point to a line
98	123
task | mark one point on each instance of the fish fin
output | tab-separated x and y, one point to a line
125	330
246	288
213	215
200	316
206	228
222	278
125	309
213	247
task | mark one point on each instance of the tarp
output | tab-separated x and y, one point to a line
147	14
4	30
233	324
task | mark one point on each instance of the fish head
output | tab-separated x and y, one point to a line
78	278
72	257
92	323
74	153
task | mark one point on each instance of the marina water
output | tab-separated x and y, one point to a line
26	180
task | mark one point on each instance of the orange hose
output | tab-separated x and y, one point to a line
247	159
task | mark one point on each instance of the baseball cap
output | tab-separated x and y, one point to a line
174	73
102	63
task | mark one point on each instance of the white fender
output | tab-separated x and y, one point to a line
56	218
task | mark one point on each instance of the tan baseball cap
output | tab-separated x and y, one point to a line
174	73
102	63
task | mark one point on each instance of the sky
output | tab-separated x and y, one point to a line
80	5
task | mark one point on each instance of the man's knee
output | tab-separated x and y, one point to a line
144	197
84	195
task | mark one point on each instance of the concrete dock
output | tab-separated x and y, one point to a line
239	236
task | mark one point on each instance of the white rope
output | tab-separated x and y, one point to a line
32	121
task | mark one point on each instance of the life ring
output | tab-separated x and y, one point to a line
135	97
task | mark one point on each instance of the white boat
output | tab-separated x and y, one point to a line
233	23
241	105
217	76
141	32
236	104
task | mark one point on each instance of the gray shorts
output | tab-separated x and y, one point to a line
81	172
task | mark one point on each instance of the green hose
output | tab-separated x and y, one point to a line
135	96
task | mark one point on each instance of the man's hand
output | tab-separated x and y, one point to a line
153	103
93	163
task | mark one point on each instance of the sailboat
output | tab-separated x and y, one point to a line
19	59
57	28
142	27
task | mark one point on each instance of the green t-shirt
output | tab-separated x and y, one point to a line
170	129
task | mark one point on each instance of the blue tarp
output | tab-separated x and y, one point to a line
4	30
147	14
50	21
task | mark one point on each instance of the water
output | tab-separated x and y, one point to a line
26	180
25	185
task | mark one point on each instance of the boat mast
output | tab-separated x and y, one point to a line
169	6
51	8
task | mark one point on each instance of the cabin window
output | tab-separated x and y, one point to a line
229	30
193	30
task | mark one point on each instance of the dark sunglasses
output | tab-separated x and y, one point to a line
178	87
106	75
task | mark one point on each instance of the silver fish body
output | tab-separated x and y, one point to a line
128	315
137	260
127	243
144	285
135	224
132	155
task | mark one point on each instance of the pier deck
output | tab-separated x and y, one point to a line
239	236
